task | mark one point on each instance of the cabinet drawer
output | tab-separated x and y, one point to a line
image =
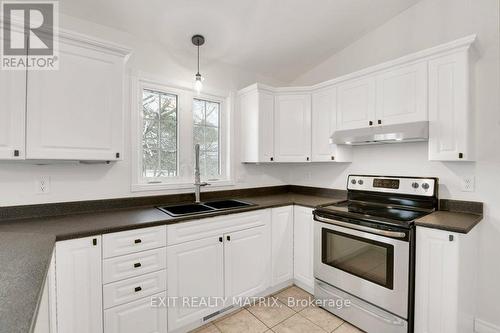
125	242
134	288
131	265
137	317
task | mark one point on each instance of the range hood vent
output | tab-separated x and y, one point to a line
408	132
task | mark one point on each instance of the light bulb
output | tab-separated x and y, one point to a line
198	85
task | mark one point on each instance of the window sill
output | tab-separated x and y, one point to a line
177	186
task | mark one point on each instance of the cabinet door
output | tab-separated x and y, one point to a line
292	126
247	262
194	269
436	282
303	248
356	103
266	127
79	285
138	316
282	245
324	123
12	114
76	112
449	113
402	95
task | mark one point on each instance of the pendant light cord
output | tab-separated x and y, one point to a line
198	59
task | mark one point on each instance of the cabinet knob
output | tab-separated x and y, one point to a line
379	122
370	123
137	264
307	159
228	237
450	237
460	155
272	159
137	289
16	153
94	241
117	155
137	241
333	158
220	239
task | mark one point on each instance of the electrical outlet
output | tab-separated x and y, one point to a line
468	183
43	185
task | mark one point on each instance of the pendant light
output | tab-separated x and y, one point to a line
198	40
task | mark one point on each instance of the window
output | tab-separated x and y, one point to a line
206	128
159	134
169	121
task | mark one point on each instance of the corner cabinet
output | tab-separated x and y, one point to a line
450	116
324	123
79	285
445	281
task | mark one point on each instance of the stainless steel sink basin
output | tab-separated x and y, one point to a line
207	207
226	204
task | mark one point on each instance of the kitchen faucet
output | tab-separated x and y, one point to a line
197	181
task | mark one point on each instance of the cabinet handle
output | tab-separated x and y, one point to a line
333	158
272	159
117	155
228	237
137	241
137	264
307	159
460	155
94	241
220	239
379	122
16	153
137	289
370	123
450	237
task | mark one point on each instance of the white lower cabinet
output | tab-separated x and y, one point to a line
282	245
445	281
247	262
79	285
196	268
233	263
137	316
303	248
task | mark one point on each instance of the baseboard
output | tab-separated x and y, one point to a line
481	326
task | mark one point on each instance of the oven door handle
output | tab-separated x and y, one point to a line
387	233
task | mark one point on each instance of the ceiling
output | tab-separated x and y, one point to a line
277	38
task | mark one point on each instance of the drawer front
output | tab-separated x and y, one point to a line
131	265
137	317
131	241
128	290
189	231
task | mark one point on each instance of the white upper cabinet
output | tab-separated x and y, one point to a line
324	123
257	126
76	112
292	129
12	111
450	127
356	103
402	95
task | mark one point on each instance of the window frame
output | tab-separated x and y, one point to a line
185	137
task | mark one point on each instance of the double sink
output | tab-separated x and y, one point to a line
206	207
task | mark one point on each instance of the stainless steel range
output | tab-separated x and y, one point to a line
364	250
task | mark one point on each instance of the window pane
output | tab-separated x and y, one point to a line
206	130
159	141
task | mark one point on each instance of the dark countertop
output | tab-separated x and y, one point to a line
24	262
450	221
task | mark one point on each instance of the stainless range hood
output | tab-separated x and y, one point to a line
408	132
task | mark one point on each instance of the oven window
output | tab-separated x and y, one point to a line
365	258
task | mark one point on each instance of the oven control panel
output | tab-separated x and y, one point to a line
388	184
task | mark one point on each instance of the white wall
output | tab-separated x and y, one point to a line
429	23
72	181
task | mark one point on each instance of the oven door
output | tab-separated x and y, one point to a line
372	267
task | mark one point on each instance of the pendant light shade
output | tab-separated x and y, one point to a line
198	40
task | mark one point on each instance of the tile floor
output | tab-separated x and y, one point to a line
287	311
